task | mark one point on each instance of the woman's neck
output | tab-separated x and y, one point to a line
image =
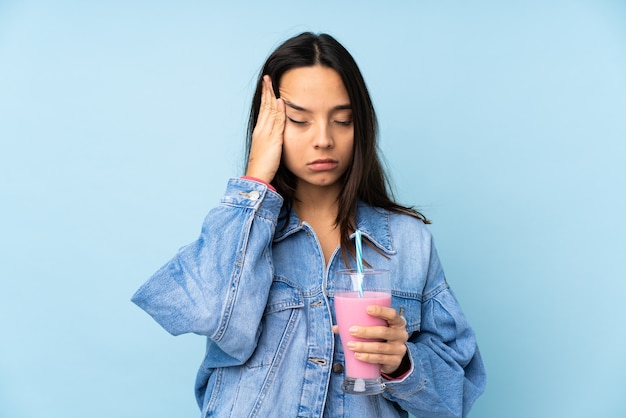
314	203
318	207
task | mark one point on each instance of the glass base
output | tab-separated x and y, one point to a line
363	386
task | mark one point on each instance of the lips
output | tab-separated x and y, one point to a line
323	164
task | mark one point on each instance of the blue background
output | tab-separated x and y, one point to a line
120	122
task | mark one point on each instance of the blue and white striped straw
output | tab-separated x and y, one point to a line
359	262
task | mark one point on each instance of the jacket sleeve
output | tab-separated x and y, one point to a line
447	373
218	285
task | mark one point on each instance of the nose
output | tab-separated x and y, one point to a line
323	137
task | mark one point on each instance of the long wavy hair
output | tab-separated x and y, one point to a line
365	179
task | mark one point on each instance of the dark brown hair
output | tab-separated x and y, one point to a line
366	179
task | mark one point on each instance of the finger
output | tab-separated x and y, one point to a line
270	88
377	347
388	364
393	318
380	333
274	114
390	359
265	91
280	116
391	362
270	97
266	105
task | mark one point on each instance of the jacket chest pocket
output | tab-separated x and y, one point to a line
279	323
411	308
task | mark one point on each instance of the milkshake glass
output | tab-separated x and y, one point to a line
354	292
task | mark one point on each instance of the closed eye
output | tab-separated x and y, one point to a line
297	122
344	122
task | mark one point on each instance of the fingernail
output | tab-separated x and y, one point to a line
351	345
354	330
370	309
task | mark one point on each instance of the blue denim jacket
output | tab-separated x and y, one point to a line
260	290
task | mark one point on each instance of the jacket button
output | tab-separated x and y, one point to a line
338	368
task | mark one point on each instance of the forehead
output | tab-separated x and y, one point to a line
313	87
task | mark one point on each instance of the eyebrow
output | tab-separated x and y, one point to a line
302	109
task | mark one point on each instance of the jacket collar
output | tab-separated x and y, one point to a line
373	223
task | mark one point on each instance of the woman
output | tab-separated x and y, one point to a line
259	280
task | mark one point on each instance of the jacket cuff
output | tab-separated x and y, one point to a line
253	194
269	186
407	384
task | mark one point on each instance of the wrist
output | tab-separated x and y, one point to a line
401	371
253	178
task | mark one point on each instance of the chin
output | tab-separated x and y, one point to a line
325	182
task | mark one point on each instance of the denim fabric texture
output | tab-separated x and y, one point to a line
255	283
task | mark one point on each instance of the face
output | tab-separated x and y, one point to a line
319	133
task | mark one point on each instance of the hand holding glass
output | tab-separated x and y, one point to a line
354	292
